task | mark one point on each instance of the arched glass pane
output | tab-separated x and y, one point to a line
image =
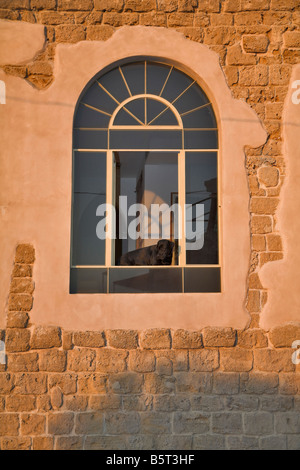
158	114
156	77
135	77
114	83
176	84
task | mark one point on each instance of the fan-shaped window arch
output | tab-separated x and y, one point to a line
145	143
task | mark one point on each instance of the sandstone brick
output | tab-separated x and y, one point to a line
201	20
21	302
242	403
289	383
9	424
269	175
60	423
280	74
226	383
236	360
271	360
39	81
109	5
252	338
232	74
191	422
45	337
204	360
224	19
242	443
25	362
227	423
67	382
137	402
292	39
13	4
53	361
20	403
208	442
287	423
274	110
6	382
44	403
22	270
254	75
122	339
291	56
283	336
126	382
9	15
255	43
107	402
153	422
120	19
212	6
76	403
89	339
254	282
56	397
121	423
89	423
248	18
178	360
69	33
266	257
184	339
92	383
171	403
193	382
32	424
140	5
273	443
255	4
220	35
25	254
156	338
180	19
285	5
253	301
81	360
261	224
75	4
141	361
153	18
41	4
167	5
30	383
17	340
56	18
42	443
110	360
259	383
67	340
69	443
264	205
16	443
218	337
17	320
22	286
164	366
99	33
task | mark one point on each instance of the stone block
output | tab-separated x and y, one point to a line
53	360
91	422
21	302
184	339
226	383
122	339
42	443
25	253
153	422
32	424
205	360
89	339
194	422
141	361
259	383
92	383
69	33
227	423
60	423
9	424
30	383
219	337
109	5
156	338
45	337
126	382
258	423
17	340
21	403
25	362
99	32
269	176
261	224
82	360
111	360
236	360
17	320
69	443
283	336
271	360
122	423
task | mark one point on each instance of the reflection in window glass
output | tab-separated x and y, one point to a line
145	139
140	280
201	191
150	179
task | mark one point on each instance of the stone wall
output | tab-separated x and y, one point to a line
153	389
163	388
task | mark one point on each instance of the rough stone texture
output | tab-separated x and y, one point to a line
208	389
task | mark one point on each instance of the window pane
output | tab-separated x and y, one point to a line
149	179
176	84
95	96
160	114
135	77
91	139
88	249
90	172
88	281
137	108
146	139
142	280
114	83
202	217
156	77
201	139
202	280
191	98
200	118
87	117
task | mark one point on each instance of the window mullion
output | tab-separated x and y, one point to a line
181	201
109	201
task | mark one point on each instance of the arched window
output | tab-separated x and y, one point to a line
145	183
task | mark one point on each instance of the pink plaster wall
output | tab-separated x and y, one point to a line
36	189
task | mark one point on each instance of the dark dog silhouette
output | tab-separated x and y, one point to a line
159	254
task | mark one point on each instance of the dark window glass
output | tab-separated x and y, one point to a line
156	77
202	280
89	139
143	280
95	96
115	85
88	281
135	77
202	217
199	118
160	114
145	139
89	192
88	117
201	139
176	84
